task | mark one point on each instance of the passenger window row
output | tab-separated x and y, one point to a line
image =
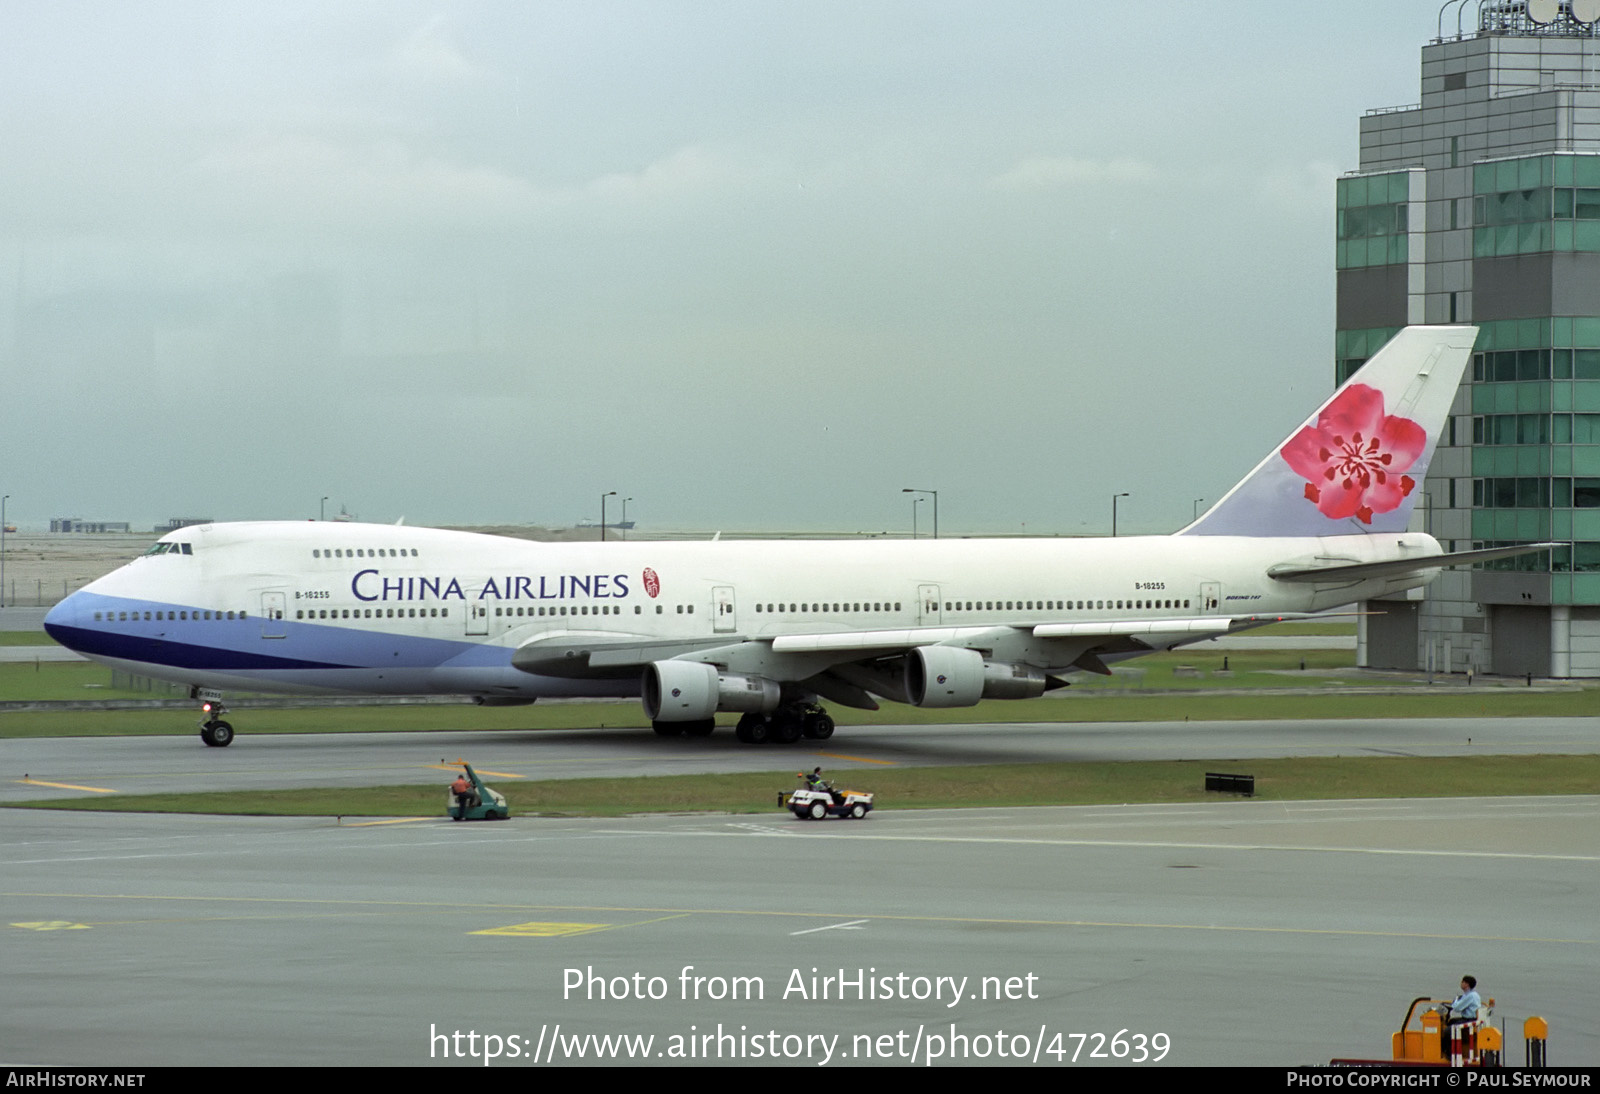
365	552
806	609
165	616
582	609
373	613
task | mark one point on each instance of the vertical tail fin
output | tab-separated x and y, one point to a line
1356	466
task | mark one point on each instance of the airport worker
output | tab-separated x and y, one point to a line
462	789
1464	1007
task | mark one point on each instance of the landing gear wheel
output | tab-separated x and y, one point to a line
217	734
817	726
786	728
818	811
754	729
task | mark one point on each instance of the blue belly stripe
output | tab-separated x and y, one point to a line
164	651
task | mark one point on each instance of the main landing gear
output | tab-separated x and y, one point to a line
701	728
213	730
785	726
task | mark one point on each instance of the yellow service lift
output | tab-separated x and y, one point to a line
1423	1038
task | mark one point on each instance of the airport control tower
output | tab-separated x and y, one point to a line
1482	205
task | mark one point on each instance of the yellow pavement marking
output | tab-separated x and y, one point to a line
391	820
491	774
858	759
544	930
555	930
65	786
53	925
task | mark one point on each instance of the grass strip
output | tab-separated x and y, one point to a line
987	786
25	638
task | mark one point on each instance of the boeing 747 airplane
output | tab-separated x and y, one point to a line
771	629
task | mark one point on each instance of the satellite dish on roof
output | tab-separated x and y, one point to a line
1544	11
1586	11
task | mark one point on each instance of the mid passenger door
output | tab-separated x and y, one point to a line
273	606
723	617
928	611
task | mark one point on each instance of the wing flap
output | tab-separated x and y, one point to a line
1109	628
866	641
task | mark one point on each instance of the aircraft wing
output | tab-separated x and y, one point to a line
795	657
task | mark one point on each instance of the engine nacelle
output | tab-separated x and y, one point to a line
944	676
691	691
1007	680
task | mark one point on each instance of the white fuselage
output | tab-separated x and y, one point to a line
325	607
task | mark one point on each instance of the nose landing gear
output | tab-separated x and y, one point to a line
213	730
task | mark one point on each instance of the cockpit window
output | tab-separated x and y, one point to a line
169	549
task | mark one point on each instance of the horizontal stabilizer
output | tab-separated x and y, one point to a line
1358	571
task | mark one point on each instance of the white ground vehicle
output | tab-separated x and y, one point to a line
822	800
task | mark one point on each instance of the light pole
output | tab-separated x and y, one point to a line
603	497
3	549
914	503
935	493
322	514
624	521
1196	516
1114	498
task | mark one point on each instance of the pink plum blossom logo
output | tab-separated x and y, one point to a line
652	583
1353	456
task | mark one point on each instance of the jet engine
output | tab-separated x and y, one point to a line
944	676
691	691
948	676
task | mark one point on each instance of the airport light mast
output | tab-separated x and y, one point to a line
935	493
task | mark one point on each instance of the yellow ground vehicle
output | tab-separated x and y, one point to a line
1426	1039
1430	1041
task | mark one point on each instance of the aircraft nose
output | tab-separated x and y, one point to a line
62	620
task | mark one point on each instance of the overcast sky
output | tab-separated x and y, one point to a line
752	265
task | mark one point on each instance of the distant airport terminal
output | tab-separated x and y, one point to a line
1481	204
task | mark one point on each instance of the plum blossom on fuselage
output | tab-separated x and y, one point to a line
1353	456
